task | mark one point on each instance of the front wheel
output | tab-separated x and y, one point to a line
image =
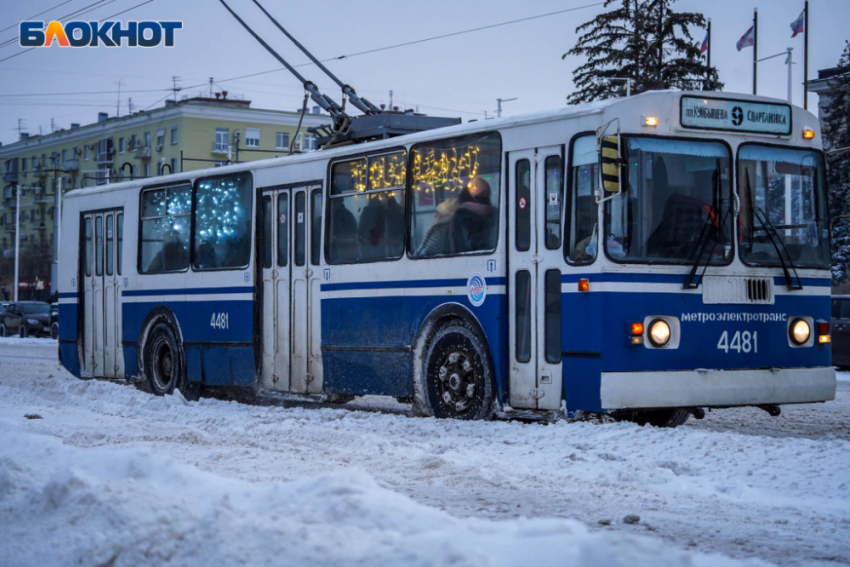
22	331
3	330
54	331
656	418
164	364
458	375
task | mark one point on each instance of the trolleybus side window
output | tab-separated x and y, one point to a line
267	231
316	227
222	215
523	316
300	232
523	207
554	192
283	229
366	216
120	241
581	233
98	246
164	243
110	244
455	195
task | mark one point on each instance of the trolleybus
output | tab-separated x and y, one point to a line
646	257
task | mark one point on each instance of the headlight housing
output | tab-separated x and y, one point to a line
799	331
33	322
659	333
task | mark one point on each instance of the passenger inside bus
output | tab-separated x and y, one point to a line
473	226
172	257
343	245
436	240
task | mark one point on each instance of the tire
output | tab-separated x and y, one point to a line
458	374
54	331
22	331
164	367
3	332
656	418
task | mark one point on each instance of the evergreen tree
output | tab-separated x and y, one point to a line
836	132
644	40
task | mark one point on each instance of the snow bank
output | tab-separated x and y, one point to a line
125	506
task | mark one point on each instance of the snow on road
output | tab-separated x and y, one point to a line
113	476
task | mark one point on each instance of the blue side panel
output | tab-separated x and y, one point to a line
216	364
242	365
389	325
194	319
194	371
68	321
70	358
131	361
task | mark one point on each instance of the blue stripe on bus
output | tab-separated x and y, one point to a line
68	295
189	291
406	284
811	282
673	278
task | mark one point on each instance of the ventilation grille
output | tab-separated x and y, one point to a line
737	291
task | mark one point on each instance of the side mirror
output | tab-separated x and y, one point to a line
610	163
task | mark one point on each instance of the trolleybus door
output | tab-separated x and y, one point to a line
291	356
535	208
101	256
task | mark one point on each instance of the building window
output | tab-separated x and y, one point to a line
164	245
121	145
173	165
86	152
222	237
220	163
282	140
173	135
64	157
160	138
147	170
309	142
134	142
252	137
221	136
147	139
23	165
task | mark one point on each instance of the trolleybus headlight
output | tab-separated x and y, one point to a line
799	331
659	333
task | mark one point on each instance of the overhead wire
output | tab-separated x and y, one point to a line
37	15
84	10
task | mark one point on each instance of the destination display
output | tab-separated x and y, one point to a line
736	115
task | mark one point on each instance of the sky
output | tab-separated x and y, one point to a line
462	75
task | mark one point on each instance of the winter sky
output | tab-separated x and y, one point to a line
461	75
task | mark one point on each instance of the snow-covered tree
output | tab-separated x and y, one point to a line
644	40
836	134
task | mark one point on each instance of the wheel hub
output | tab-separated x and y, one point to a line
457	381
163	365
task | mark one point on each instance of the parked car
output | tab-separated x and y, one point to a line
25	318
840	329
54	320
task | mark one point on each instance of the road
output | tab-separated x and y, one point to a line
739	483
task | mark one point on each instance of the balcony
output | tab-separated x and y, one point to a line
11	176
42	197
220	148
143	153
71	165
40	170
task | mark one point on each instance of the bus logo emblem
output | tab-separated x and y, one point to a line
476	289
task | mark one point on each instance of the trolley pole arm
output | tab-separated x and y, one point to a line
361	103
322	100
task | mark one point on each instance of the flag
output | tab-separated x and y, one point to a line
799	25
747	40
704	47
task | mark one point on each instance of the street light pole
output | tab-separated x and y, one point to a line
499	102
17	236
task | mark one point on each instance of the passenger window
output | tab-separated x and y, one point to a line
523	316
164	246
523	205
87	246
222	217
300	232
581	233
316	227
98	246
267	231
455	187
110	245
282	229
554	192
366	218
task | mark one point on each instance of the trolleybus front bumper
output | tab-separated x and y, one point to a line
716	388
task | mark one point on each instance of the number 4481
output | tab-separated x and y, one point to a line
741	342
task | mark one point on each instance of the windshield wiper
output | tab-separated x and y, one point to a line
774	237
707	229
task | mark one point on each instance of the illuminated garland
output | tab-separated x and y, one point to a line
448	169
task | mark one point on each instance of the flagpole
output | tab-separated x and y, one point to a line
755	49
709	45
806	59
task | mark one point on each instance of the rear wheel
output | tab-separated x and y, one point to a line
164	364
458	375
22	331
54	331
3	330
655	418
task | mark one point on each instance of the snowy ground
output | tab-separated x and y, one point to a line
113	476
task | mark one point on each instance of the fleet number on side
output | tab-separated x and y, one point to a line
741	342
220	321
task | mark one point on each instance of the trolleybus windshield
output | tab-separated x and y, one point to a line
783	193
676	201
